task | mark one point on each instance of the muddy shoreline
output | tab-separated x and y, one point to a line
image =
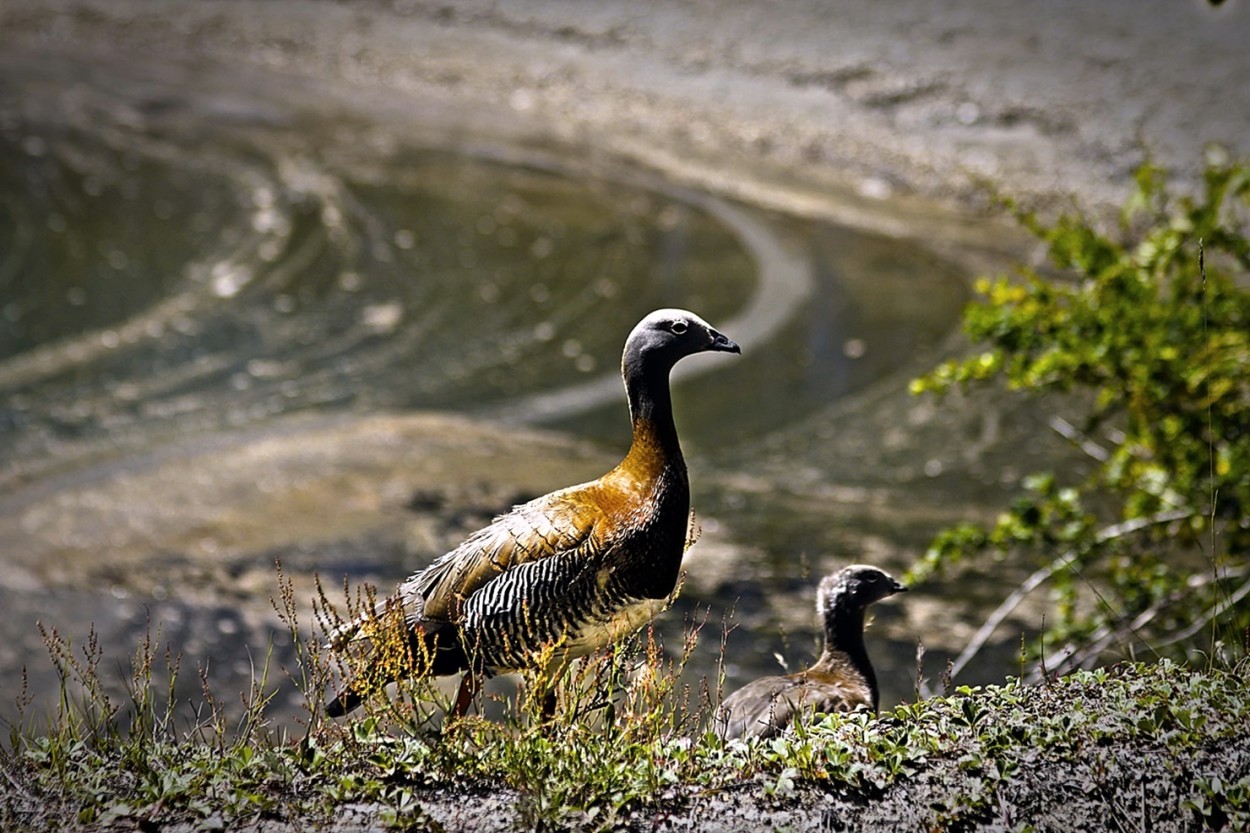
866	114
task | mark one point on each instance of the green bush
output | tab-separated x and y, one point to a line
1145	335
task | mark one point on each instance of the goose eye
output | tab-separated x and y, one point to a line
679	327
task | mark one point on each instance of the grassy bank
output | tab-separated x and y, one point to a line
629	750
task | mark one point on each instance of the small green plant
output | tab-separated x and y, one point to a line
1144	338
1217	805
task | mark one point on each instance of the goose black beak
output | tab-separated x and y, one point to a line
899	587
723	344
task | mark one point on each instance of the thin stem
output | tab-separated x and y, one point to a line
1008	605
1101	639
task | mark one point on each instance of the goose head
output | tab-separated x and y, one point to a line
666	336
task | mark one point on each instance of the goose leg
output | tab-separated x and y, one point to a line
549	705
464	697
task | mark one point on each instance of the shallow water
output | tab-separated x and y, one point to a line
225	306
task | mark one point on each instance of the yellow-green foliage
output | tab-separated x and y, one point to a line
1149	327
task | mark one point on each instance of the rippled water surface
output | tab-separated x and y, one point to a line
186	267
146	282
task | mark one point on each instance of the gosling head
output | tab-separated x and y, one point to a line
854	588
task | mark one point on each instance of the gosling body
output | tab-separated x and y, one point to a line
842	679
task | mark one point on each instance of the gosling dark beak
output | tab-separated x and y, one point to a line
723	344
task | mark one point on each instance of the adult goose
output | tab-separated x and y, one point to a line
841	680
558	577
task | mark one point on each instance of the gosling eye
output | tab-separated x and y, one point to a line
679	327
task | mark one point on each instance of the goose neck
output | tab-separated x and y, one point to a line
651	413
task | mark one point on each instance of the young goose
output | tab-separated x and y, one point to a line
841	680
564	574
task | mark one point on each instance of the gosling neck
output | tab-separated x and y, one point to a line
844	634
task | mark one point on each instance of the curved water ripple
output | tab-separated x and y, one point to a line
401	279
784	280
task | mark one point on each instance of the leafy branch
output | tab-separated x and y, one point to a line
1146	333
